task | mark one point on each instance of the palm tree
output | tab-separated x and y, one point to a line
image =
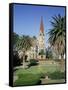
57	34
15	40
24	44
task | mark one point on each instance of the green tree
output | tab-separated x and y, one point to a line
49	53
57	34
24	44
42	52
15	39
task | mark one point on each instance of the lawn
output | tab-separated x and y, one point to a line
37	69
33	74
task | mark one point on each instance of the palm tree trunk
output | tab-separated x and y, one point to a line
24	61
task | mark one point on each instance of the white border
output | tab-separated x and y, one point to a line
4	44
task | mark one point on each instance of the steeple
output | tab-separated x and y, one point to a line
41	41
41	25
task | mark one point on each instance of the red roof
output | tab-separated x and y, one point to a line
41	25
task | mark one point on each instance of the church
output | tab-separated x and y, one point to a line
37	51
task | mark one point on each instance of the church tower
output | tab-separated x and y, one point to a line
41	41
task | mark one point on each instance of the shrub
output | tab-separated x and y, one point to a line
57	75
33	62
27	79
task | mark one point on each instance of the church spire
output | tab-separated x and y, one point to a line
41	25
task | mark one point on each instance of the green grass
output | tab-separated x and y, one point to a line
32	75
27	79
37	69
57	75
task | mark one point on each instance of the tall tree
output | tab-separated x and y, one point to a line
15	41
57	34
49	52
24	44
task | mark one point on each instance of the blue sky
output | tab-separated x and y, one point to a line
27	19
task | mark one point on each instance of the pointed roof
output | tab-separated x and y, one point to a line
41	25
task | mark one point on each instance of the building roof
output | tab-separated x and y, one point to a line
41	25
